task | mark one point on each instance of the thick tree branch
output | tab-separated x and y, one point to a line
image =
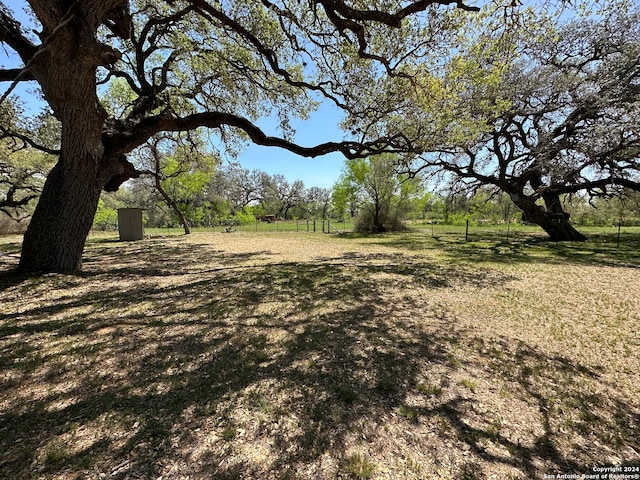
146	44
467	172
346	18
11	35
26	141
120	142
591	185
390	19
15	74
11	202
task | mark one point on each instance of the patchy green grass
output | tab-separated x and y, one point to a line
358	467
284	355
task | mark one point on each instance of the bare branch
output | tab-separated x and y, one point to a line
11	34
15	75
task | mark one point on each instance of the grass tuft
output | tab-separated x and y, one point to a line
359	467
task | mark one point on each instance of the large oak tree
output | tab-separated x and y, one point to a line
180	65
539	108
570	124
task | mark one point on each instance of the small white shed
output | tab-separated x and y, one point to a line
130	224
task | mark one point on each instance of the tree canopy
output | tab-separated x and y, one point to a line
377	192
178	65
539	112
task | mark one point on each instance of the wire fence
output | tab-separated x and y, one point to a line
308	226
468	232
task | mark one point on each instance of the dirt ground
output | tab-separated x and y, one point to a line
302	356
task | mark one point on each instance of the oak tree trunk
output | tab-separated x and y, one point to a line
55	238
552	219
66	71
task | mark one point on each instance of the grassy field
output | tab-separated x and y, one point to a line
503	232
299	356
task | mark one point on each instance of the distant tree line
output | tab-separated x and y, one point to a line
370	192
227	195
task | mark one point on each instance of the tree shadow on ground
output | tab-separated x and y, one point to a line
601	250
180	360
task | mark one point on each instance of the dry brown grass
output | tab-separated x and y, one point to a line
315	357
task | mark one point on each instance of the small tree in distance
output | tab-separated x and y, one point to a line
179	170
384	195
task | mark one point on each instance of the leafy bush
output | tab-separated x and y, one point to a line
386	221
106	218
245	218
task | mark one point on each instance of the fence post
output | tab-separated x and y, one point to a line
314	225
466	232
618	242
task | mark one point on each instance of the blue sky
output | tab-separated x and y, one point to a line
314	172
